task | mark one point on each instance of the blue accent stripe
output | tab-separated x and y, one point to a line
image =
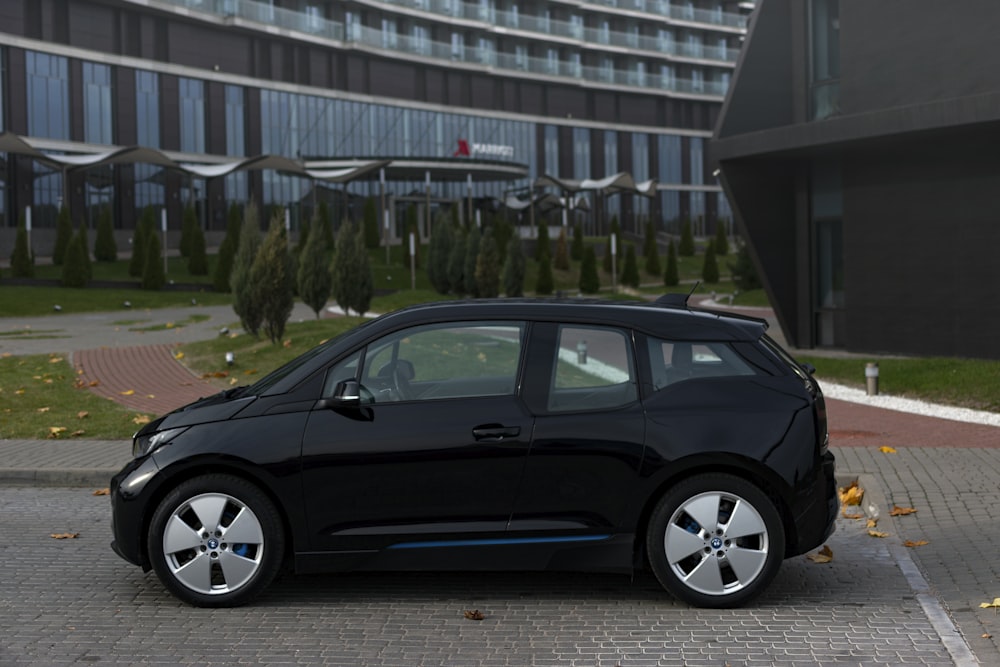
498	542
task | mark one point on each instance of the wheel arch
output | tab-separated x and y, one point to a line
741	467
180	473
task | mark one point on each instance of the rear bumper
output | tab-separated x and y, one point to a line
816	509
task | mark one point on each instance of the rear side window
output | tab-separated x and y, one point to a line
676	361
594	370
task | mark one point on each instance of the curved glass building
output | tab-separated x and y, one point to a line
573	89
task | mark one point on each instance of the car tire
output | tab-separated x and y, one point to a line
216	541
715	541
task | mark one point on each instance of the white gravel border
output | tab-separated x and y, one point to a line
909	405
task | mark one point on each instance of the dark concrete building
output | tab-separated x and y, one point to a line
572	89
856	145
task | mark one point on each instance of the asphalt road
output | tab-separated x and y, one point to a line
73	601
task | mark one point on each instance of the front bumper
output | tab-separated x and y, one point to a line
129	494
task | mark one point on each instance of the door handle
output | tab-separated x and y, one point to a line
495	432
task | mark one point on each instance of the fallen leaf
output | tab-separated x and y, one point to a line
288	343
871	523
82	414
150	395
915	543
140	419
54	431
43	409
102	492
474	615
852	516
987	605
64	536
47	380
250	371
19	392
93	383
901	511
55	360
232	380
127	392
877	533
887	450
851	494
824	555
987	635
179	356
78	433
170	325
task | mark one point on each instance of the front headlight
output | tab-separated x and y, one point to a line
144	444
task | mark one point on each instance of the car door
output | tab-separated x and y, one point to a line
589	432
437	449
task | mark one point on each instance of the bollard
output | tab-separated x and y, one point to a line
581	352
871	378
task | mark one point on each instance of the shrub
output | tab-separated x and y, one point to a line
710	267
471	257
456	263
590	282
189	222
743	269
227	251
64	235
671	276
85	246
721	238
372	237
22	260
197	258
544	284
153	276
651	251
271	273
105	247
542	247
576	248
514	268
352	277
246	300
144	227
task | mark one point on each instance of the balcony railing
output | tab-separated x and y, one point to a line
268	15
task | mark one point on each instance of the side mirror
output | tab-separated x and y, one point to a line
347	393
808	368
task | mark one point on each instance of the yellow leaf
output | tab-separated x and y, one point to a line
78	433
64	536
55	360
901	511
232	381
127	392
43	409
987	635
54	431
82	414
824	555
102	492
150	395
915	543
853	516
47	380
877	533
474	615
19	392
288	343
251	371
93	383
986	605
871	523
170	325
140	419
179	355
851	494
887	450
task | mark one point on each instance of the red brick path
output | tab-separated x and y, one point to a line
145	378
858	425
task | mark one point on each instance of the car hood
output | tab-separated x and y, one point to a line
217	407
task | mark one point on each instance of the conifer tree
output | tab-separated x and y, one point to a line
85	246
327	225
189	221
246	299
227	250
144	227
652	251
22	260
352	277
456	263
471	257
153	276
721	238
561	259
590	282
74	270
542	245
488	267
271	273
197	257
64	234
710	268
686	246
314	279
439	254
544	283
105	247
372	237
671	276
514	268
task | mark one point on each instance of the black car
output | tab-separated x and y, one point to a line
494	435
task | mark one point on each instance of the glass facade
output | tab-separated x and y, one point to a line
149	179
192	115
640	172
826	213
98	111
581	153
236	185
47	80
824	53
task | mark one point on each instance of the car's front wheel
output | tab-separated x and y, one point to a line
715	540
216	541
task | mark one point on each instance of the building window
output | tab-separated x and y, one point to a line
457	46
352	27
670	210
191	99
389	37
552	150
236	183
826	212
697	161
669	157
552	61
521	56
581	152
640	172
824	48
148	178
48	108
667	77
612	205
97	108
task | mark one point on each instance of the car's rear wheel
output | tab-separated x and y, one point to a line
715	540
216	541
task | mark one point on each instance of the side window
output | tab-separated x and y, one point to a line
594	370
454	360
676	361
